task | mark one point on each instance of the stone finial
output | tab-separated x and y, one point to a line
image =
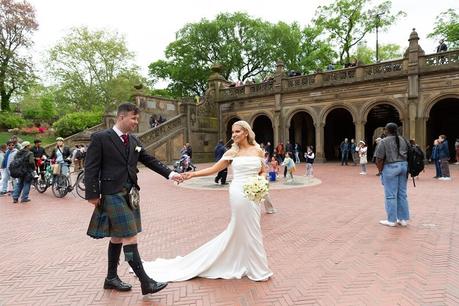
280	67
216	72
414	44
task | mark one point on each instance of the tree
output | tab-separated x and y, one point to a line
247	48
90	67
38	104
17	23
447	27
349	21
301	49
366	55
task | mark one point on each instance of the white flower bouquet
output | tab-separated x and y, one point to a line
256	189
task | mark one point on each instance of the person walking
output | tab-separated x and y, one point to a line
309	155
22	187
344	147
436	160
10	153
443	155
362	151
111	186
391	160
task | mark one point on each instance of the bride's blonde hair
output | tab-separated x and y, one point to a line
250	138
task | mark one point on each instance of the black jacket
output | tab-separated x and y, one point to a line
109	165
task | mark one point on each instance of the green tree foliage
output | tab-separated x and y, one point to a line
9	120
17	23
38	104
94	70
366	55
246	47
347	22
76	122
447	27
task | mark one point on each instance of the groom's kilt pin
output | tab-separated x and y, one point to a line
114	218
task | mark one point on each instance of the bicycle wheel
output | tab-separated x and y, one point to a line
79	185
60	186
40	184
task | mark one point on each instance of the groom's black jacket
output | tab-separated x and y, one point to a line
110	164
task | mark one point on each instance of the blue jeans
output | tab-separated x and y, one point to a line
394	179
344	157
23	186
437	168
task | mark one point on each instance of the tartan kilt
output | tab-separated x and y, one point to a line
114	218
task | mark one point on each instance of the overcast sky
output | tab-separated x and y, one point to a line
149	26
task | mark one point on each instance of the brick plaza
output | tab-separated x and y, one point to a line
324	245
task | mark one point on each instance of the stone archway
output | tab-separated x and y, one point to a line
377	118
229	126
263	128
338	125
443	119
302	130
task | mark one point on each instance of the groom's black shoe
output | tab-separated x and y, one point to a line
152	286
117	284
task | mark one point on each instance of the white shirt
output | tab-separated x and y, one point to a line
119	133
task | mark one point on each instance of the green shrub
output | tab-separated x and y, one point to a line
76	122
10	120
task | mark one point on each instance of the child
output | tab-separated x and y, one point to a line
309	155
290	165
273	169
363	157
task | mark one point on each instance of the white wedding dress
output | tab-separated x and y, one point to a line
236	252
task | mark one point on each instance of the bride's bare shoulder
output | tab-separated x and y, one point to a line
259	152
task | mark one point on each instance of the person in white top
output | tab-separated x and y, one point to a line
363	157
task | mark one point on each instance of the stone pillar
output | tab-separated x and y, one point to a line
359	130
319	149
276	127
412	54
421	140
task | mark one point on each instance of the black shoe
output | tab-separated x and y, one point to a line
15	200
25	200
152	287
117	284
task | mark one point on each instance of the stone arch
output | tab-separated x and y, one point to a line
262	125
430	104
326	110
367	107
228	125
338	124
301	128
375	115
441	118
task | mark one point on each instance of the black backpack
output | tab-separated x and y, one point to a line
415	158
20	164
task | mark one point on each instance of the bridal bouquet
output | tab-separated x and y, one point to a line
256	189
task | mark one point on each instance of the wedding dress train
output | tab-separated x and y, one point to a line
236	252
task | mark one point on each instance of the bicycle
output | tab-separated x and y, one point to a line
61	184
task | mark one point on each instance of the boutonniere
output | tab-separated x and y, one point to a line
137	149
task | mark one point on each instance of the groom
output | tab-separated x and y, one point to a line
110	178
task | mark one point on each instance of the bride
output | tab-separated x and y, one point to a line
239	250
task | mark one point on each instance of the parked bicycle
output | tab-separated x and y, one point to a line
60	183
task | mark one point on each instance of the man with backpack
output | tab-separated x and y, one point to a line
8	158
391	159
22	168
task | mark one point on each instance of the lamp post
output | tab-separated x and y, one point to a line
378	18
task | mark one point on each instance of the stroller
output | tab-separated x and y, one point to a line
184	164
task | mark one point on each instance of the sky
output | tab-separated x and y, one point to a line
149	26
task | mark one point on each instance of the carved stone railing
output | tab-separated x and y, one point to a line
247	90
155	136
440	61
346	75
384	70
296	82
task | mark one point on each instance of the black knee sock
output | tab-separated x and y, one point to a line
133	258
114	251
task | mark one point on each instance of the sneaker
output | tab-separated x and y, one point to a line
271	211
2	193
402	222
445	178
388	223
25	200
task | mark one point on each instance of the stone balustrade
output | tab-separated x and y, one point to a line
384	70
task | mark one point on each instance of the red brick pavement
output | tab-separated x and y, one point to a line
325	246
